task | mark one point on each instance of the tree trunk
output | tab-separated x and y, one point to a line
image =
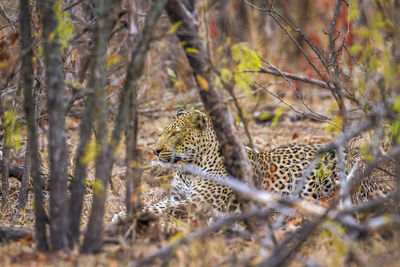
96	85
23	193
5	168
56	114
93	237
5	176
235	157
133	160
105	157
27	84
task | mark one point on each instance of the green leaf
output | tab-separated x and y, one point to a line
98	187
191	50
226	75
75	85
242	80
355	49
174	27
361	84
175	238
264	116
365	150
12	129
394	130
90	152
335	125
218	82
378	21
246	59
112	59
396	105
202	82
278	114
354	10
378	37
171	73
374	63
237	118
366	54
389	72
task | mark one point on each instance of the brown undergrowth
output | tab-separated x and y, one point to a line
330	245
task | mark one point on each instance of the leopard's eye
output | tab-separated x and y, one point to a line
173	134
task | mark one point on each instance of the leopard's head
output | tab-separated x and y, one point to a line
189	138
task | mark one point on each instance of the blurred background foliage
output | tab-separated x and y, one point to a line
242	38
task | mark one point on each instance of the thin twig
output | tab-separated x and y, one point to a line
292	76
5	15
72	5
337	91
311	116
355	60
272	12
277	72
298	93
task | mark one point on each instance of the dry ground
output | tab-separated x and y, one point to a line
330	245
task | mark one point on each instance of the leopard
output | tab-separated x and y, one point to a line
190	139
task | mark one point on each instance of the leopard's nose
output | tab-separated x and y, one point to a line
157	151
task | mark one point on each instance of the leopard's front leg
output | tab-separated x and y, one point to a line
178	209
203	196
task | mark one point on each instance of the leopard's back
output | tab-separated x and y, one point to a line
281	170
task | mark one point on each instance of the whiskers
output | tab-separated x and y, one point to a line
168	157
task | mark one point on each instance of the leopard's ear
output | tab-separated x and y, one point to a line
197	119
180	112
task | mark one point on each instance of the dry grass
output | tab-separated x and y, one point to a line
331	245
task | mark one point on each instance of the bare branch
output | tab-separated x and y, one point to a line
272	12
355	60
311	116
298	93
277	72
